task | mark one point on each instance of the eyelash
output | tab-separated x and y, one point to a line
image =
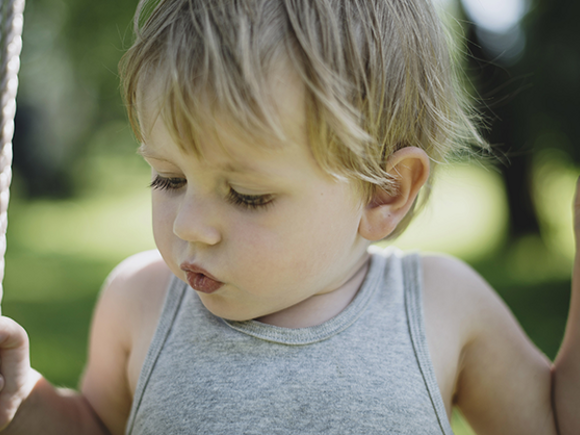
163	183
250	202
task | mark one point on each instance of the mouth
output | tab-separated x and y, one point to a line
200	280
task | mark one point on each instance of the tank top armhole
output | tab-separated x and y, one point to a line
175	293
412	273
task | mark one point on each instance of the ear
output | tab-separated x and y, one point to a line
409	168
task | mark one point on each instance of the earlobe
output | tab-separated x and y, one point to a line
409	170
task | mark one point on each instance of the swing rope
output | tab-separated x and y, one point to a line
11	20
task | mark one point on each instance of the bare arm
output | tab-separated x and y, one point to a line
51	411
502	381
30	405
505	385
566	370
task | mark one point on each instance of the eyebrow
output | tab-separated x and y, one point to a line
230	167
241	168
146	153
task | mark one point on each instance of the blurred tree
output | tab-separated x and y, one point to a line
68	86
528	79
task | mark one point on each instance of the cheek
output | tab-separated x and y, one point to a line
302	243
327	233
265	255
162	219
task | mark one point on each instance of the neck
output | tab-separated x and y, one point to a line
322	307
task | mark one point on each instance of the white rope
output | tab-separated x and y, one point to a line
11	20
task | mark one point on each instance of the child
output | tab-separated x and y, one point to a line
285	136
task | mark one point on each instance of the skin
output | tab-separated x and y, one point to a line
293	263
242	244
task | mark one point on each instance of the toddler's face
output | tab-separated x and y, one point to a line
267	225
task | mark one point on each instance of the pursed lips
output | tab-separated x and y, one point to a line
200	279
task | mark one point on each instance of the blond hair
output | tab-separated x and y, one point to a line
377	75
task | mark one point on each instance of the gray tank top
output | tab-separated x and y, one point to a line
366	371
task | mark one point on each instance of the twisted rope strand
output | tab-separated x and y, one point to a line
11	20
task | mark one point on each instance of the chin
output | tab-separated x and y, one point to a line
219	308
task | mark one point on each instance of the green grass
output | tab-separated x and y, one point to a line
60	252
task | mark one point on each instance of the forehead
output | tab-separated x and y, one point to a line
280	119
232	155
223	142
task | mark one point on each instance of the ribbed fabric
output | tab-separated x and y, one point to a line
414	307
366	371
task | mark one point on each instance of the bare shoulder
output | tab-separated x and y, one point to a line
454	288
133	293
136	290
135	273
443	270
123	324
499	379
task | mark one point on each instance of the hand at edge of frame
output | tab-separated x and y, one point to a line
17	378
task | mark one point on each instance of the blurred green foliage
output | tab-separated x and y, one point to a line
69	89
526	83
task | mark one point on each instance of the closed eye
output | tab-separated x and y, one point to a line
250	202
163	183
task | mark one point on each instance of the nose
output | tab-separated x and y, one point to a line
195	222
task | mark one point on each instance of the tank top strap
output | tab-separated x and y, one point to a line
413	285
173	300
